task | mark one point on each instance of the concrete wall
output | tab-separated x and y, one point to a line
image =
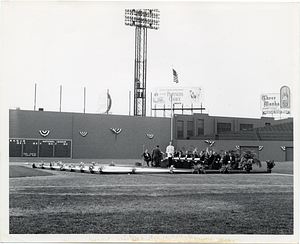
26	124
100	141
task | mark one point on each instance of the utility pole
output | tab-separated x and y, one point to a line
60	97
34	96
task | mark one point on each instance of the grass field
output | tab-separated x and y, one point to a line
59	202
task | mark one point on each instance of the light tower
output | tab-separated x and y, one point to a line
142	19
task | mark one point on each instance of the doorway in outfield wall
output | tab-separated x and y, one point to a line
289	152
252	148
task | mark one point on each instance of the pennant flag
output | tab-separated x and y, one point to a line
44	133
260	148
83	133
116	130
150	136
175	76
211	143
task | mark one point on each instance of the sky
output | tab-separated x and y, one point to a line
234	51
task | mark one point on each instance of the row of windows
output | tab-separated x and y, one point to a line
226	127
221	128
190	128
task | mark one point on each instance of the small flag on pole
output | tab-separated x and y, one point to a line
175	76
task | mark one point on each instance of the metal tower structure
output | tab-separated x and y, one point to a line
142	19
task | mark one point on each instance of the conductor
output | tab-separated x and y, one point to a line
170	153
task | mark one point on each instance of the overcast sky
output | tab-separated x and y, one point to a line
234	51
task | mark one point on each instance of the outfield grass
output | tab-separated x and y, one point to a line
16	171
82	203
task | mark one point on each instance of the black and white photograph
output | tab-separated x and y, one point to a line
149	121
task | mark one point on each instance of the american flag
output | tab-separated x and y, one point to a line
175	76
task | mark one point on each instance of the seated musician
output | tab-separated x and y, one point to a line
228	158
177	153
202	156
225	158
195	153
210	159
217	161
188	154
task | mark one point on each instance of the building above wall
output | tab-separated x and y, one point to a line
204	126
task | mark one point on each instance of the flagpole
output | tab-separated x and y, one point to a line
84	98
175	79
34	96
172	117
171	94
60	98
129	105
107	100
151	104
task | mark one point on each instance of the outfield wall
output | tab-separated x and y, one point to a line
91	137
99	142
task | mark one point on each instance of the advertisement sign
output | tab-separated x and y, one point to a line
179	95
270	101
276	103
285	97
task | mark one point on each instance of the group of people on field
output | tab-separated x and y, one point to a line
214	160
154	159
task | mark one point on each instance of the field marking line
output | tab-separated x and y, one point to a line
153	185
282	174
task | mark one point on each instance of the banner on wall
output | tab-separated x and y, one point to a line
179	95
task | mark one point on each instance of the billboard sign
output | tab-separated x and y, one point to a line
269	101
179	95
285	97
276	103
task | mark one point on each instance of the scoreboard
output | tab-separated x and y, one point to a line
62	149
40	148
15	148
30	148
46	148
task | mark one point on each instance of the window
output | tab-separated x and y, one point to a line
179	129
200	127
246	126
190	128
223	127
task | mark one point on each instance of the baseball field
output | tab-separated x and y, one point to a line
59	202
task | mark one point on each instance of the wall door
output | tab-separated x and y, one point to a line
289	153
